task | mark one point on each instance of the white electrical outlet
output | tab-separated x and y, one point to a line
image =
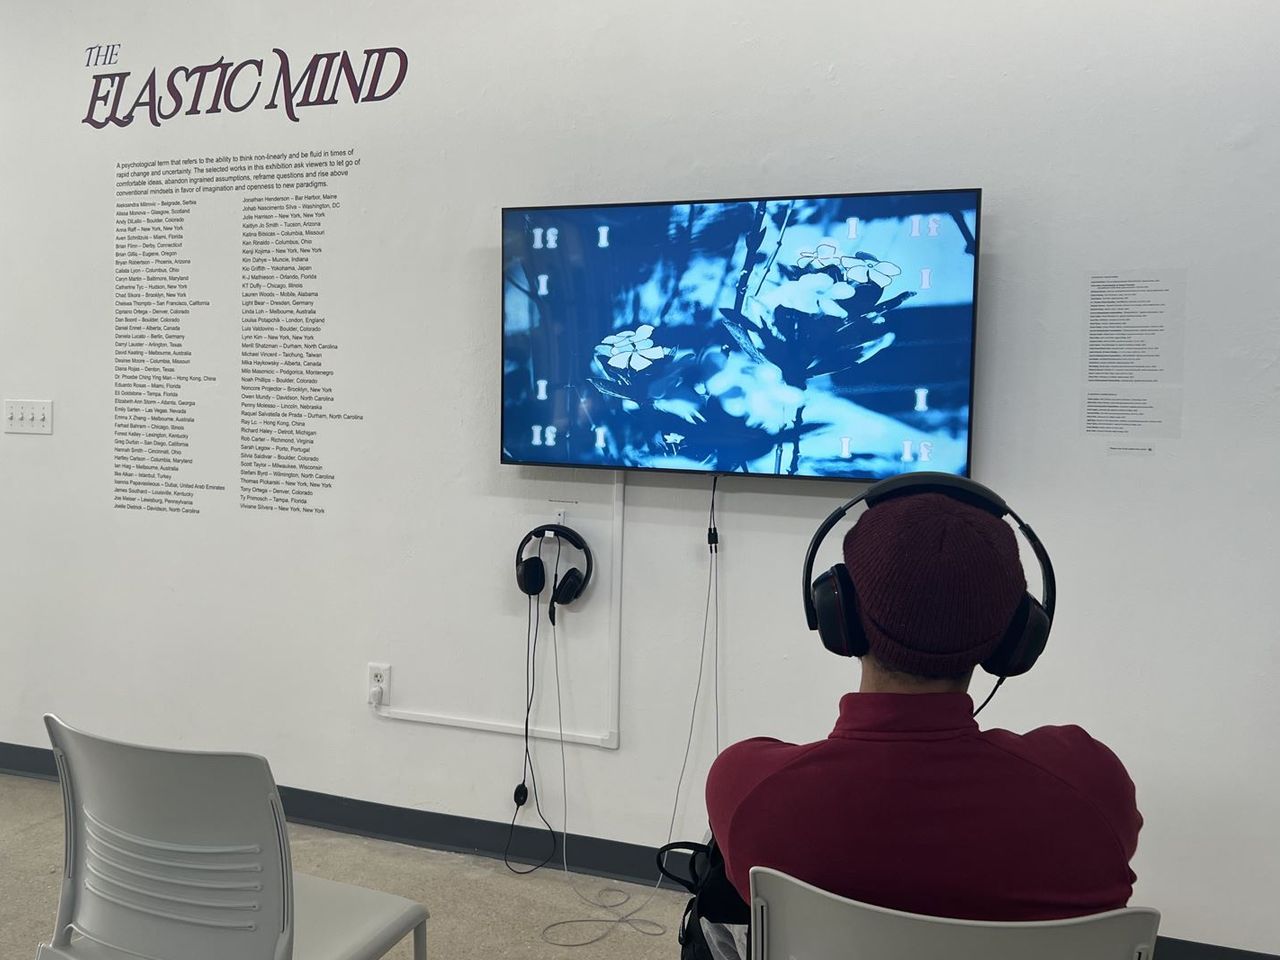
28	416
379	676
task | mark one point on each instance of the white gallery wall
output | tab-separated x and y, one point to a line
1106	137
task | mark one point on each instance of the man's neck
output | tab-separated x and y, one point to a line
876	679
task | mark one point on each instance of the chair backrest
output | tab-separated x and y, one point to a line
793	920
171	855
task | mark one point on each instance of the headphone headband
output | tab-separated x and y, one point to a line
568	534
961	488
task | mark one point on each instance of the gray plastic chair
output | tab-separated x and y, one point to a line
175	855
793	920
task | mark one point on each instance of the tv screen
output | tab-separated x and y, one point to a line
791	336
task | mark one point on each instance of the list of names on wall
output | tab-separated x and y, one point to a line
284	381
154	409
1133	356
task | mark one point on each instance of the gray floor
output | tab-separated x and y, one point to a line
478	909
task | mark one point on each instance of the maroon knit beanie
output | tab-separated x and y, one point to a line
938	582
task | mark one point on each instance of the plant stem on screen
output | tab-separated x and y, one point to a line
794	468
753	241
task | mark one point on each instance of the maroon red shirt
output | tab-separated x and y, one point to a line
908	805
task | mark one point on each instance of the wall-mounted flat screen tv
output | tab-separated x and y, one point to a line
817	336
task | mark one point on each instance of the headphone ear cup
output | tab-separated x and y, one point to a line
836	603
531	576
1023	642
569	588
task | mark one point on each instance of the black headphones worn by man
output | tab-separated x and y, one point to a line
831	608
831	601
531	573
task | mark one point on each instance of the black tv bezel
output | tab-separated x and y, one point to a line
973	333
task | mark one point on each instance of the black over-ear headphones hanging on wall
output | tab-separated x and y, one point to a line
831	601
531	578
531	573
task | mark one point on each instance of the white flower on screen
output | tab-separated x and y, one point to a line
879	272
855	269
630	349
825	254
673	438
812	293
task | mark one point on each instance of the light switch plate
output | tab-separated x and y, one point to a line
28	416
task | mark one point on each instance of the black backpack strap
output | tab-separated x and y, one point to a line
691	936
697	870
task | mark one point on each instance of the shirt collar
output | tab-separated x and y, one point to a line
907	716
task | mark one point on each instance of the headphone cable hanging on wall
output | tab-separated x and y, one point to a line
713	548
530	686
620	898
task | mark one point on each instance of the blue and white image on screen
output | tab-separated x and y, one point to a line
816	337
